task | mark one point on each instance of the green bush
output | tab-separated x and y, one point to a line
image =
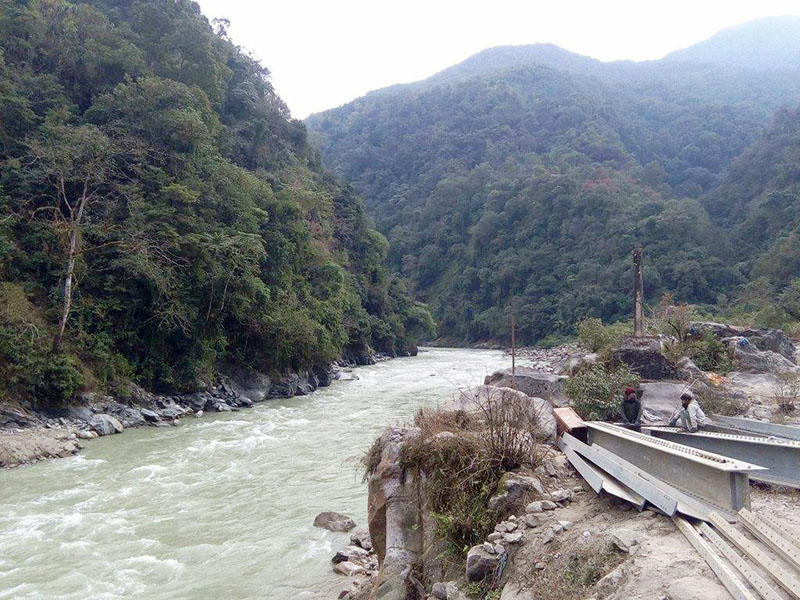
597	337
709	353
596	391
57	381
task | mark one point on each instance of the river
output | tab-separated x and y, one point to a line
220	507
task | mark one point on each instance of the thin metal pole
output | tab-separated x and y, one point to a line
513	348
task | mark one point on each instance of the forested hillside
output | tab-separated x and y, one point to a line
526	176
161	214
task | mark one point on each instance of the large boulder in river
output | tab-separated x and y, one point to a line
536	384
333	521
105	424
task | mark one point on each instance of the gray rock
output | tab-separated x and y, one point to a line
494	536
574	363
548	536
285	387
352	553
536	384
625	539
80	413
688	371
346	375
306	383
218	405
512	538
760	361
538	410
14	415
395	514
333	521
446	591
150	416
644	356
561	496
360	538
105	424
348	569
660	400
481	563
243	401
515	486
253	385
773	340
515	591
613	580
540	506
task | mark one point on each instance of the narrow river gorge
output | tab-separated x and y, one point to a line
220	507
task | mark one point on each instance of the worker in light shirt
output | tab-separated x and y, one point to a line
691	416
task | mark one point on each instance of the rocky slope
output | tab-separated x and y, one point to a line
551	537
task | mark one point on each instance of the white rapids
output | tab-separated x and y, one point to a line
219	508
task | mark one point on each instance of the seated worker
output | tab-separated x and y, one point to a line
691	416
631	410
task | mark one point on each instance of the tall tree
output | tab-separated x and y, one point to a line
73	165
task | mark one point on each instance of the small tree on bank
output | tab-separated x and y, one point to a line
69	168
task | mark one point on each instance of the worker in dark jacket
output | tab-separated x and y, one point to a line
631	410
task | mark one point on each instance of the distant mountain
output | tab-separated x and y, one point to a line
525	176
771	43
501	58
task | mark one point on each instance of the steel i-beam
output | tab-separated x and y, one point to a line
719	480
780	457
759	427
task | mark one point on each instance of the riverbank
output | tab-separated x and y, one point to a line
28	436
221	506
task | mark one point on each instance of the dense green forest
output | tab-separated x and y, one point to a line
523	178
163	217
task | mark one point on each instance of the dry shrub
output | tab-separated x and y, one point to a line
787	392
719	402
463	456
670	318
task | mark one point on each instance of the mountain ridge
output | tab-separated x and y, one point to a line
504	187
695	59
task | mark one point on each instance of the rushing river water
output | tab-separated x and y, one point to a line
220	507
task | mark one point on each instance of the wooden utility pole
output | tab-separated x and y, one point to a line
638	294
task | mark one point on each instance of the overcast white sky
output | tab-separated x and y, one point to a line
324	53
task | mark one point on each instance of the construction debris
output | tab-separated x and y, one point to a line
701	480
